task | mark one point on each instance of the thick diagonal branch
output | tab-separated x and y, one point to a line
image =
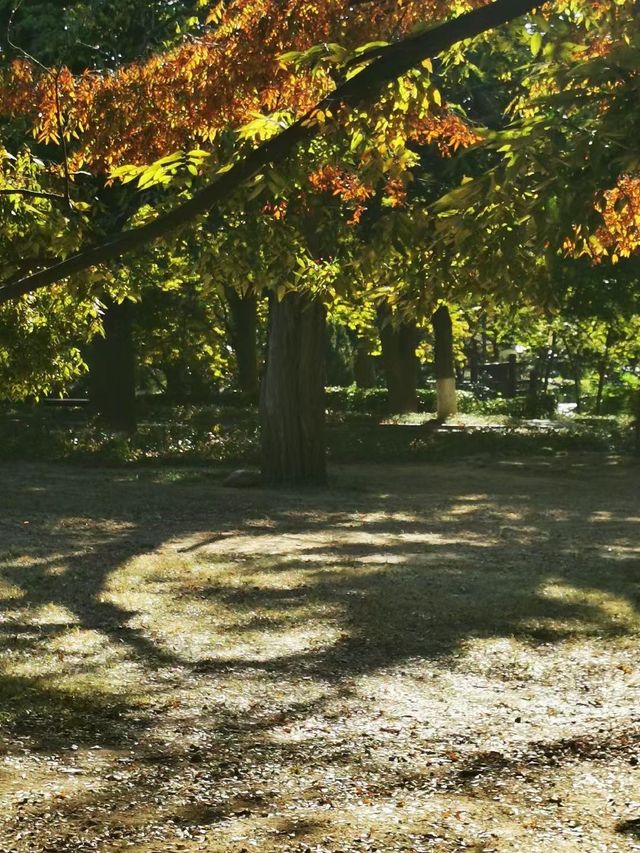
392	62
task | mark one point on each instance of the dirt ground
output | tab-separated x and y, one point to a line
424	658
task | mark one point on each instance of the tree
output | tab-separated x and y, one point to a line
376	67
389	63
444	365
399	339
43	38
243	309
292	397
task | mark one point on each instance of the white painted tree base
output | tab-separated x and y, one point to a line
446	394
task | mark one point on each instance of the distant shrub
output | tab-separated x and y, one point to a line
618	397
542	405
563	389
351	399
427	398
374	402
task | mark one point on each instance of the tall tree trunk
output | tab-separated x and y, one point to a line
484	340
512	376
177	389
444	363
112	386
548	366
577	388
474	360
292	407
363	368
576	370
399	361
244	337
603	368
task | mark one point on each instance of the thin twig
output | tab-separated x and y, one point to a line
17	47
34	194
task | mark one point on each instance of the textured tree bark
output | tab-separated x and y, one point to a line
112	387
244	337
444	363
292	407
399	361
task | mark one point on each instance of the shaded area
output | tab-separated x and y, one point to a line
228	435
397	567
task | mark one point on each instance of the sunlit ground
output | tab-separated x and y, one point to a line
432	658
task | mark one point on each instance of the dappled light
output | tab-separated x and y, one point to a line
319	426
413	658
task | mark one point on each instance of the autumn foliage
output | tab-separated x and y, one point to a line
229	72
620	208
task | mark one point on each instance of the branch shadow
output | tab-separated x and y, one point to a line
412	566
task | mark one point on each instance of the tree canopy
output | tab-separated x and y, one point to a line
385	159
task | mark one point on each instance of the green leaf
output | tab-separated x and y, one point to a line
356	140
536	43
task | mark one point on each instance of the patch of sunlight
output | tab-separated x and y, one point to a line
618	552
197	608
103	682
51	614
258	647
477	539
78	660
601	515
10	591
630	550
557	514
286	578
613	608
467	508
251	636
161	568
96	526
283	550
27	561
375	517
80	641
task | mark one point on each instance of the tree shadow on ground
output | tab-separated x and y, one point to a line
409	564
413	581
413	571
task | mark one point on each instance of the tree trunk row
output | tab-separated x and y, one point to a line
292	405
